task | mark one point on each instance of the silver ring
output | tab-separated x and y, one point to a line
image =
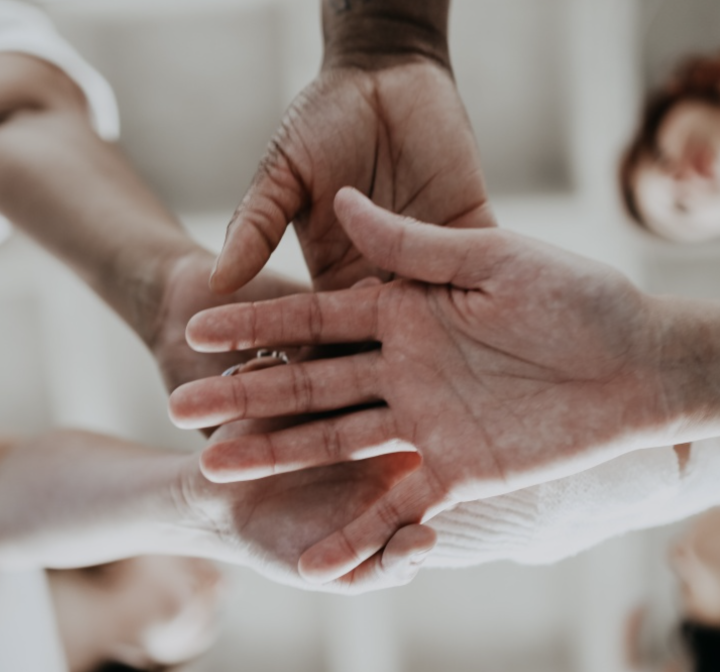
261	354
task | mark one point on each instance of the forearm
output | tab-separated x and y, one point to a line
373	34
78	197
72	498
689	367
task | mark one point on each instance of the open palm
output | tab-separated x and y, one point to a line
267	524
519	364
399	135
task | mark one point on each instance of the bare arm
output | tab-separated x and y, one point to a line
79	198
372	34
71	498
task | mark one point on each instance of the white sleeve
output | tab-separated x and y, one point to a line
561	518
26	29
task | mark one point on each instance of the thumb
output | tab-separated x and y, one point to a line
272	202
413	249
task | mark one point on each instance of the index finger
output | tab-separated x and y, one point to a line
347	316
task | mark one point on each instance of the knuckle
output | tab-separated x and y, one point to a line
302	389
389	514
315	319
332	442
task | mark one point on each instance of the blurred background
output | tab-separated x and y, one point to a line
552	88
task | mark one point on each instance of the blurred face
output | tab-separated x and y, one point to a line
678	191
695	559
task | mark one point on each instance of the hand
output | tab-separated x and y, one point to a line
398	134
185	292
519	364
268	524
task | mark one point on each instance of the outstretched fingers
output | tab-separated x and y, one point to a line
414	250
357	436
272	202
295	389
304	319
408	503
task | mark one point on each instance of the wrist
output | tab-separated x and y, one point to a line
148	281
689	367
203	518
377	34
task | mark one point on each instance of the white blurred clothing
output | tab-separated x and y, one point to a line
555	520
29	641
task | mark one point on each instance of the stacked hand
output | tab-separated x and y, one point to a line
508	364
399	135
268	524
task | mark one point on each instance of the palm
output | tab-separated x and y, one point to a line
268	524
399	135
521	364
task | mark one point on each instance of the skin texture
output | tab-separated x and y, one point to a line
384	116
517	364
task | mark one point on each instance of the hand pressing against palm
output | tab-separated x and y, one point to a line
507	363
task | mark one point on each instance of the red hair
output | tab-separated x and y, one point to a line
698	79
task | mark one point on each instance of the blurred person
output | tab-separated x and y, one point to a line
694	645
147	612
670	174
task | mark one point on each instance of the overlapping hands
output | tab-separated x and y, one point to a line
504	362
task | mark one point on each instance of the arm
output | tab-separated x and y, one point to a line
70	498
384	116
377	34
79	198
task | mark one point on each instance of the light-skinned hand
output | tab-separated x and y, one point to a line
507	363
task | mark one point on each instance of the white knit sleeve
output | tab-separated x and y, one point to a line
558	519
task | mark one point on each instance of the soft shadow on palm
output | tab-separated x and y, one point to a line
400	136
269	523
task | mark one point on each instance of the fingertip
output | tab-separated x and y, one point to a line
223	281
317	566
411	543
196	333
182	408
226	463
348	200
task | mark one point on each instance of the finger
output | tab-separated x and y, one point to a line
272	202
396	565
304	319
308	387
412	249
408	503
356	436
